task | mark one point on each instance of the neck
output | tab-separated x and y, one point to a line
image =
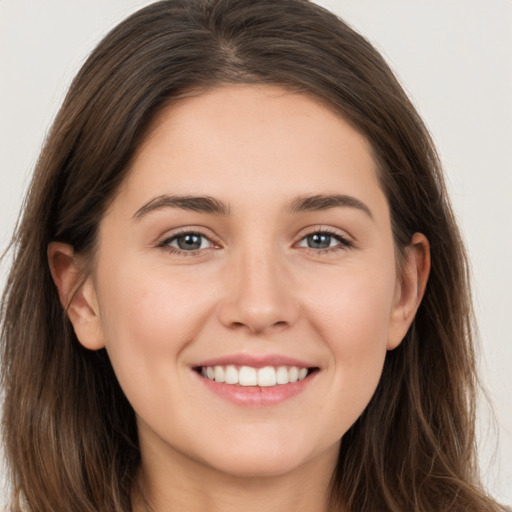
187	485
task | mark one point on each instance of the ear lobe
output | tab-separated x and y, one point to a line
77	294
410	289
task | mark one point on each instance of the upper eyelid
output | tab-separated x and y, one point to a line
197	230
337	232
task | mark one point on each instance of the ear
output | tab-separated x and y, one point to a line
77	294
410	288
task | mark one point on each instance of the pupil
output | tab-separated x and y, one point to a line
189	242
319	241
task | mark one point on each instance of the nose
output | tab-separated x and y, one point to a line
259	294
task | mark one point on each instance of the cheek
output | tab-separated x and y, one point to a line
148	306
352	317
351	307
148	319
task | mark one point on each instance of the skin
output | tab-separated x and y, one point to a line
256	286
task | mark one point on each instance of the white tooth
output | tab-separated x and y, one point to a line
231	375
267	376
293	374
247	376
218	372
282	375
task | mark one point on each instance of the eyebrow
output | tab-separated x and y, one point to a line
202	204
206	204
319	202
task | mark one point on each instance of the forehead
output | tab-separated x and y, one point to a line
240	141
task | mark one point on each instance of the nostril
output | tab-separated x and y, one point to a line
257	313
256	327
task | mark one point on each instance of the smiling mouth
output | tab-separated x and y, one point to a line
267	376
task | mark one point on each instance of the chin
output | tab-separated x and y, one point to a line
258	466
267	457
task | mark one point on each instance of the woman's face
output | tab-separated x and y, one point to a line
250	243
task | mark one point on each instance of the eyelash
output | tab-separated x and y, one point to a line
343	243
165	244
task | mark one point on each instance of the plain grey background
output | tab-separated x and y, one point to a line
454	57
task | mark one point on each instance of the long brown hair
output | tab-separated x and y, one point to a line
69	432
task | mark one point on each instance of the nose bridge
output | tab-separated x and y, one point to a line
258	295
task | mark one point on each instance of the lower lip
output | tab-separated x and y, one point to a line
256	395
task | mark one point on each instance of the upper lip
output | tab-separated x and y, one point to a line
255	361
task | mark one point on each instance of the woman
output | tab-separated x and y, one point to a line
219	291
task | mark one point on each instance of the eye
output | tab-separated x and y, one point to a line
187	242
322	240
